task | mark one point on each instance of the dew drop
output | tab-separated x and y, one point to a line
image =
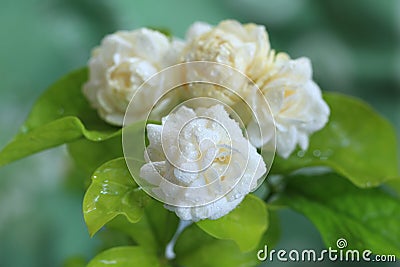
24	129
345	142
300	153
316	153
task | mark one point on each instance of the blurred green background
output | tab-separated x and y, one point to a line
354	46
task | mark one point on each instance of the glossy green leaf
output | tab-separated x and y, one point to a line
61	115
113	191
123	257
195	248
55	133
244	225
357	143
366	218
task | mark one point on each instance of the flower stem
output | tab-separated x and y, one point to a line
169	249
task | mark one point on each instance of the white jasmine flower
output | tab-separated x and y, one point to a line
206	158
295	101
243	47
122	62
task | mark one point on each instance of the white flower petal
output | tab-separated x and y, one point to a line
122	62
295	101
239	46
211	211
211	159
197	29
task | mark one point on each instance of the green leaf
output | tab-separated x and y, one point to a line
52	134
167	32
113	191
109	238
154	230
244	225
123	257
195	248
61	115
89	155
75	262
272	235
357	143
366	218
395	185
62	99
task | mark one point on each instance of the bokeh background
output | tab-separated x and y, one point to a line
354	47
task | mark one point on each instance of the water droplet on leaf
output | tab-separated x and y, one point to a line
301	153
317	153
